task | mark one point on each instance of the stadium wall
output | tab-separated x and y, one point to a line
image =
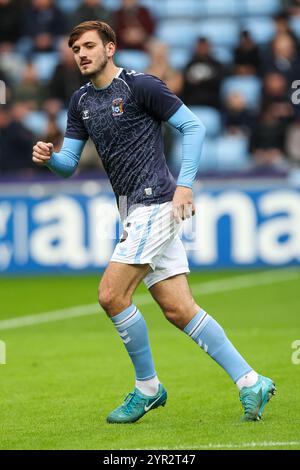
73	226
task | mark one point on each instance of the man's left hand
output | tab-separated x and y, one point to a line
183	205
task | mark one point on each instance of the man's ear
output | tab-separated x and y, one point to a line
110	49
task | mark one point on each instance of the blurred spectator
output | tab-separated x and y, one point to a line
44	23
11	62
237	117
161	68
19	110
282	25
91	10
90	161
53	133
15	143
10	21
66	78
268	141
202	77
284	58
293	142
292	6
6	88
276	97
246	56
52	106
133	25
274	133
29	90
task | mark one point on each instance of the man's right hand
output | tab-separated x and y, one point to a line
42	153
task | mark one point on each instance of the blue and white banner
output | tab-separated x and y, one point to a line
59	230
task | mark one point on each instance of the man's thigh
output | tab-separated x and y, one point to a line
122	279
175	298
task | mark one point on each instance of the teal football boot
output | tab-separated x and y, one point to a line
255	398
136	404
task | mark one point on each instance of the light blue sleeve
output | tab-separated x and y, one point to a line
193	136
65	162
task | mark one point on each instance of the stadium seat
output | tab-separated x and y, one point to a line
295	25
218	8
223	54
12	65
111	4
232	153
157	8
261	7
24	46
208	160
178	8
179	57
68	6
61	120
248	86
177	33
221	32
210	117
45	64
36	122
132	59
261	29
176	158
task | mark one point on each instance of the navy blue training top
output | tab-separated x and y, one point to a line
124	122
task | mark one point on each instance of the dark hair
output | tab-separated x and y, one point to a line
106	33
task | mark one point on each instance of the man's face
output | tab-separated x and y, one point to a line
129	3
90	54
40	4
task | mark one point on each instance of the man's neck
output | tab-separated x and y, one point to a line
106	77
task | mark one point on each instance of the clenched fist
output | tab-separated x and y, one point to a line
42	153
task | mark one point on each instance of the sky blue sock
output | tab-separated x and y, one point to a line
206	332
133	331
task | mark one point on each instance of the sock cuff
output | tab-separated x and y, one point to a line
197	323
126	318
152	376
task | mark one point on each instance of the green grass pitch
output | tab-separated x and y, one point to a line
63	377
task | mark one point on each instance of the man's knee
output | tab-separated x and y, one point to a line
112	301
173	312
180	314
105	297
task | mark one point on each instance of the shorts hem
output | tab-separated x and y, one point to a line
130	261
166	275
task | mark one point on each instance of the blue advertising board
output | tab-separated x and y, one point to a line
75	228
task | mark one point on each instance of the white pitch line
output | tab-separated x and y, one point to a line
232	446
243	281
54	315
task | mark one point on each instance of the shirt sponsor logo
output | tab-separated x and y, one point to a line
117	107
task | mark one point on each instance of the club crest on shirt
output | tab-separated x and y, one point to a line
117	107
